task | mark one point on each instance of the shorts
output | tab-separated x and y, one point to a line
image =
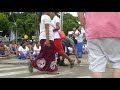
58	46
102	50
65	47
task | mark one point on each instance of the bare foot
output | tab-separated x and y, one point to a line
79	61
72	64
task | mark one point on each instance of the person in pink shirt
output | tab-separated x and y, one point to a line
103	41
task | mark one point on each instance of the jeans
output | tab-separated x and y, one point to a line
35	55
21	56
79	49
2	53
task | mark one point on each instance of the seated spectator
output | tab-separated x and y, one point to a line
18	45
13	47
3	50
36	50
30	45
24	52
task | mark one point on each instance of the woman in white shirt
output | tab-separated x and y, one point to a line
45	61
23	51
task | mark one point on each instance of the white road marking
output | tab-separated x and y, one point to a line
85	77
14	73
13	68
5	65
47	76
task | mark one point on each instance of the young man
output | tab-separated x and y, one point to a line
57	40
102	30
70	45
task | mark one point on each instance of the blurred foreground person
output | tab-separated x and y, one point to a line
102	30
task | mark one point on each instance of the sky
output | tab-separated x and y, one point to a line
73	13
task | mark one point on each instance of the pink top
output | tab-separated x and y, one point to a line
102	24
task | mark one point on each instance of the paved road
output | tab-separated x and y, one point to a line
14	68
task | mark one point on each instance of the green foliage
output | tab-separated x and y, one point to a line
4	23
69	22
26	23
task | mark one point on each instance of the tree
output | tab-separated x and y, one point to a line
26	22
69	22
4	23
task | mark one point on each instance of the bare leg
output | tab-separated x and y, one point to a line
64	55
116	73
75	53
97	74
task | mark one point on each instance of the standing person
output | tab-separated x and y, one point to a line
102	30
45	61
79	47
57	40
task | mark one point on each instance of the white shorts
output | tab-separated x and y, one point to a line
102	50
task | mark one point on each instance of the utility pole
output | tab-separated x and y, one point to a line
61	19
37	26
11	13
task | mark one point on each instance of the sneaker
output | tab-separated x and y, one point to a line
30	68
61	63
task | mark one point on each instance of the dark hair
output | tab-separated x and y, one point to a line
23	42
40	14
56	13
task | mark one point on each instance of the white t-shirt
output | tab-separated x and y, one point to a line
70	50
21	49
45	19
54	21
78	38
36	50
